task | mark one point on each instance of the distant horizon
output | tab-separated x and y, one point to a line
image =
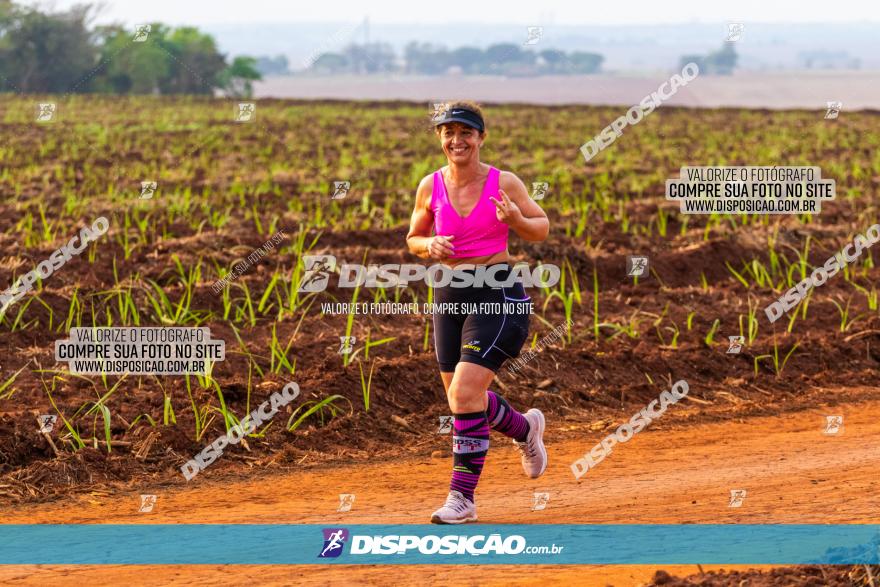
547	13
628	47
637	37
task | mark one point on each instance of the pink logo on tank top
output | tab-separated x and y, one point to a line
480	232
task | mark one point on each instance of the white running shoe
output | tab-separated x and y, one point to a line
457	510
534	455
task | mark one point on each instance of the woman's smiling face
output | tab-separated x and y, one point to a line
461	143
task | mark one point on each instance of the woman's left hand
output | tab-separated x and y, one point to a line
506	210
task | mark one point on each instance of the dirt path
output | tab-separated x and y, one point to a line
793	473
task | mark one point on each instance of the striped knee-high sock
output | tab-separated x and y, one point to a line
505	419
470	443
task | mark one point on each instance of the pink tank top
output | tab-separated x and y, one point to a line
480	233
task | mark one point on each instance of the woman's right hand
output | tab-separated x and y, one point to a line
440	247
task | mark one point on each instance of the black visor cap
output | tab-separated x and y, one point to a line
462	115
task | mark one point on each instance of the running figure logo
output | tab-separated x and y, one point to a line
147	503
47	423
439	111
534	35
317	274
148	188
334	541
247	112
346	500
346	344
736	498
445	425
46	112
541	500
141	32
833	425
833	110
636	266
539	189
736	344
340	189
734	31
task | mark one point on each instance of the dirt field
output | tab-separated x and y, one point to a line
792	471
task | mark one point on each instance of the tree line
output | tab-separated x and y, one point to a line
720	62
428	59
498	59
60	52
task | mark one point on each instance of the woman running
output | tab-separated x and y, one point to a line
471	206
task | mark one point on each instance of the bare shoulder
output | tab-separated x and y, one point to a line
427	183
424	191
509	182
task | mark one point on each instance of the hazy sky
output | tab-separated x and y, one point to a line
534	12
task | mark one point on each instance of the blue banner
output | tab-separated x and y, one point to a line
588	544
